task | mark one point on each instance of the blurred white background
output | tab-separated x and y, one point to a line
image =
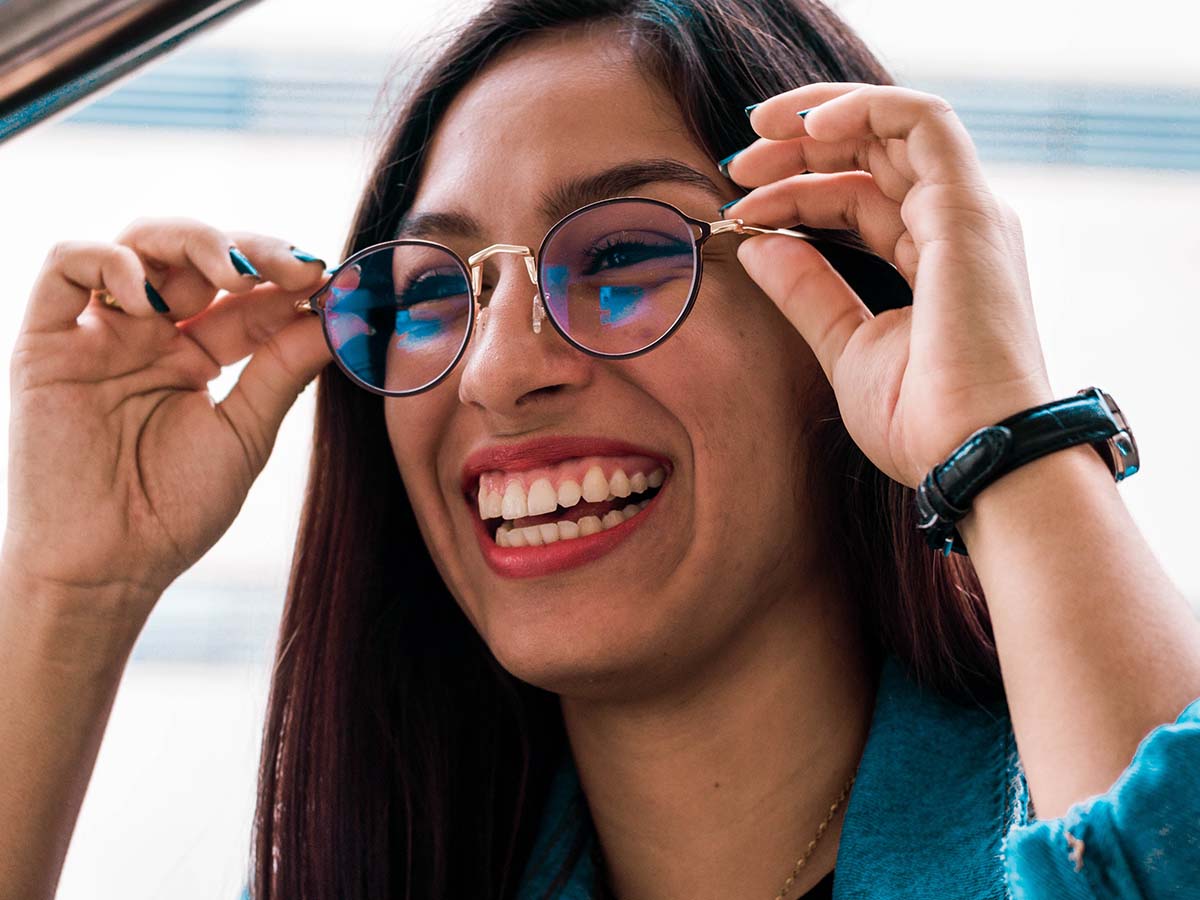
1087	117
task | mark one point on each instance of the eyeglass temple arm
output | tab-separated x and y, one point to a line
738	226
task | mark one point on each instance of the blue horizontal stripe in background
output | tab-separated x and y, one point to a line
1010	121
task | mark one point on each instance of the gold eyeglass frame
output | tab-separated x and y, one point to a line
473	267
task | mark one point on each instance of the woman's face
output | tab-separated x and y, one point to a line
715	412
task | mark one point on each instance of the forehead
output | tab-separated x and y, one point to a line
553	109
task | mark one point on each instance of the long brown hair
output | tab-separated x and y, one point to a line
399	759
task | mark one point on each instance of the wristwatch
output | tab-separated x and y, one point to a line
1091	416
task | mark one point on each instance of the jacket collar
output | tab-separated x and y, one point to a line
937	789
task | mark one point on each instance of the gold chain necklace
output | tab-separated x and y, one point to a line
800	863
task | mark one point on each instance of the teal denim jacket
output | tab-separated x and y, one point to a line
940	811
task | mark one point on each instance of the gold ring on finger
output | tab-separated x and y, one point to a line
107	298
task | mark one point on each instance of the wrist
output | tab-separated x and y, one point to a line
1028	499
947	493
92	626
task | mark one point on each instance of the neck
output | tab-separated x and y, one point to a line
715	788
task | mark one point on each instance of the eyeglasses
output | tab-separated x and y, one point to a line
614	278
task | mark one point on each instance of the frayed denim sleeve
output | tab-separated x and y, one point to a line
1140	840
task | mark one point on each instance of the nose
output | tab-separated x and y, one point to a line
517	363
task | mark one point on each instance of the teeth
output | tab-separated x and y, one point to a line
516	536
514	506
612	517
569	493
533	535
595	485
549	532
619	484
590	525
568	530
631	510
542	497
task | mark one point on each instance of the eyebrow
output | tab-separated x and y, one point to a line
569	196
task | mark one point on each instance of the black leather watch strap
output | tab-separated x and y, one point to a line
1091	416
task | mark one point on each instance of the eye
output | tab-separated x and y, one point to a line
624	249
432	286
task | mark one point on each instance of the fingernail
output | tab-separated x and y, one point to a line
306	257
242	264
805	112
752	107
156	300
723	165
726	206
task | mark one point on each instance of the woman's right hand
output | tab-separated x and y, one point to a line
123	470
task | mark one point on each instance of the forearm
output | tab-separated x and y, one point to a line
59	677
1096	645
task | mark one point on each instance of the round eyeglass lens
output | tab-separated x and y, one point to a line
618	276
397	317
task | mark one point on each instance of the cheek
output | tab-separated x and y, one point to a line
417	428
745	407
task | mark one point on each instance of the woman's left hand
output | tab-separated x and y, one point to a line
911	383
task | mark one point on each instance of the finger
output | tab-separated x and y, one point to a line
847	200
72	271
194	260
767	160
235	325
269	384
808	291
938	147
275	260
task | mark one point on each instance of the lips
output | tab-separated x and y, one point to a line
551	557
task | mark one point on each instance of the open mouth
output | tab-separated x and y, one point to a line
572	499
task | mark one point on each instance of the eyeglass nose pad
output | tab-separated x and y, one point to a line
539	313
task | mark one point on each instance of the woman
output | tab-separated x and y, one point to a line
763	670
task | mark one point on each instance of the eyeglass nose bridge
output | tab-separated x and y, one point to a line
476	261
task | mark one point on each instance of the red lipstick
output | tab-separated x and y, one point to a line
547	559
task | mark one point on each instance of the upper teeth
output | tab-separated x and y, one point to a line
517	501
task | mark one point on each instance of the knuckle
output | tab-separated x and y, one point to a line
938	105
137	226
59	252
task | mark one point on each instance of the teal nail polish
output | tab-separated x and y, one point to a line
306	257
752	107
726	206
156	300
805	112
723	165
242	264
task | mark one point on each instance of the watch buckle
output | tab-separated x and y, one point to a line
1122	449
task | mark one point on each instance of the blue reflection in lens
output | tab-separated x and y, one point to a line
619	302
414	332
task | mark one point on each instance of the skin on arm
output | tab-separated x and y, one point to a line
1096	645
57	686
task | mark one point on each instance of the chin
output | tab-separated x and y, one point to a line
589	651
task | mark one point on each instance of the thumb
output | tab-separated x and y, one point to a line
808	291
269	384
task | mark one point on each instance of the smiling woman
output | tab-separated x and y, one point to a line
636	605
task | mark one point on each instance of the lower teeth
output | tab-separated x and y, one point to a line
564	530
